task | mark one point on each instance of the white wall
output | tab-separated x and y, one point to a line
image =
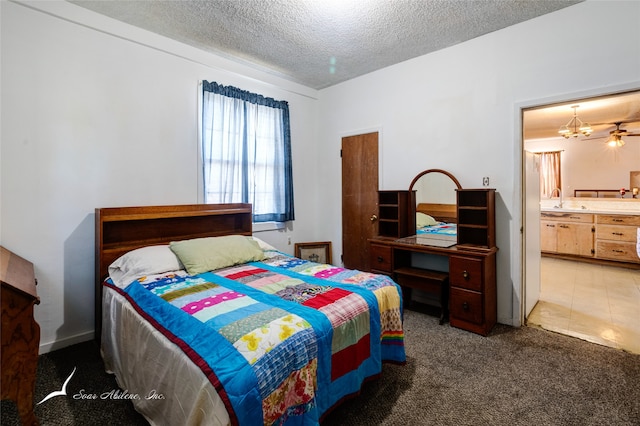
592	165
101	114
458	109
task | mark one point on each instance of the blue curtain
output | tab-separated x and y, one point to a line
246	149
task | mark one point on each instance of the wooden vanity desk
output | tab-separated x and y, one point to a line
20	333
471	287
456	272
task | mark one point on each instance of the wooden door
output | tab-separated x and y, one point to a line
534	236
359	198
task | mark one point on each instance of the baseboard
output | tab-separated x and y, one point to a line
507	321
67	341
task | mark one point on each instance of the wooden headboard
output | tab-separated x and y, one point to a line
440	212
122	229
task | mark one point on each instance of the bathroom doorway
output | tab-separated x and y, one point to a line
594	302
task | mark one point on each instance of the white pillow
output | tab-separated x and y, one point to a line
423	220
263	245
142	262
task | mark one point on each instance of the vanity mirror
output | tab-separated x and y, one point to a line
435	202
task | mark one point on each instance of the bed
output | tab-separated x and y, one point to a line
436	220
202	323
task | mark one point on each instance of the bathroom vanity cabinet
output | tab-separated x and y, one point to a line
567	233
590	236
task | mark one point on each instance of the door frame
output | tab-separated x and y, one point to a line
519	230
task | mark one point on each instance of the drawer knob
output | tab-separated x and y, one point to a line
380	259
465	306
465	275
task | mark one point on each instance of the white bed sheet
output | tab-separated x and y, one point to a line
145	362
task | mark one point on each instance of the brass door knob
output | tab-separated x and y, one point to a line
373	218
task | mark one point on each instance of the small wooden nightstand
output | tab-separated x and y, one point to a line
20	333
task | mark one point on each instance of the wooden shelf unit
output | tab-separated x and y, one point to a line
476	217
394	213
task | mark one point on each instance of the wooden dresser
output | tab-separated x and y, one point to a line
466	293
20	333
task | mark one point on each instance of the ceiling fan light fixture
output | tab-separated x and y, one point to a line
575	127
615	141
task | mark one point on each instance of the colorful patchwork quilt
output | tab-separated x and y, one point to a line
282	340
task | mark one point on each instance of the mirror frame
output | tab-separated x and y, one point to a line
419	175
444	216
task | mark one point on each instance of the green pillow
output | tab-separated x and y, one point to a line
207	254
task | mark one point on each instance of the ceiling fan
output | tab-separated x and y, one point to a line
615	138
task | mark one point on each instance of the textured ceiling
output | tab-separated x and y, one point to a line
319	43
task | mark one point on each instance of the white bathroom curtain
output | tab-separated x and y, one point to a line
550	178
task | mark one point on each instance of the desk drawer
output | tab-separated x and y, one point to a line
465	272
466	306
380	258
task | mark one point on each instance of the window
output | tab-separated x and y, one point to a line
246	151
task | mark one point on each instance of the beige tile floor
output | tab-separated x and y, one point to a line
597	303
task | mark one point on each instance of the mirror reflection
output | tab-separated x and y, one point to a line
435	202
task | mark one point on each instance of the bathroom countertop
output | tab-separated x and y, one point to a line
625	206
589	211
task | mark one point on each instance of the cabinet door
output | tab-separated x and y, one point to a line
575	238
548	236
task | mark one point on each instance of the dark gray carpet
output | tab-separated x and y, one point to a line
53	369
515	376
